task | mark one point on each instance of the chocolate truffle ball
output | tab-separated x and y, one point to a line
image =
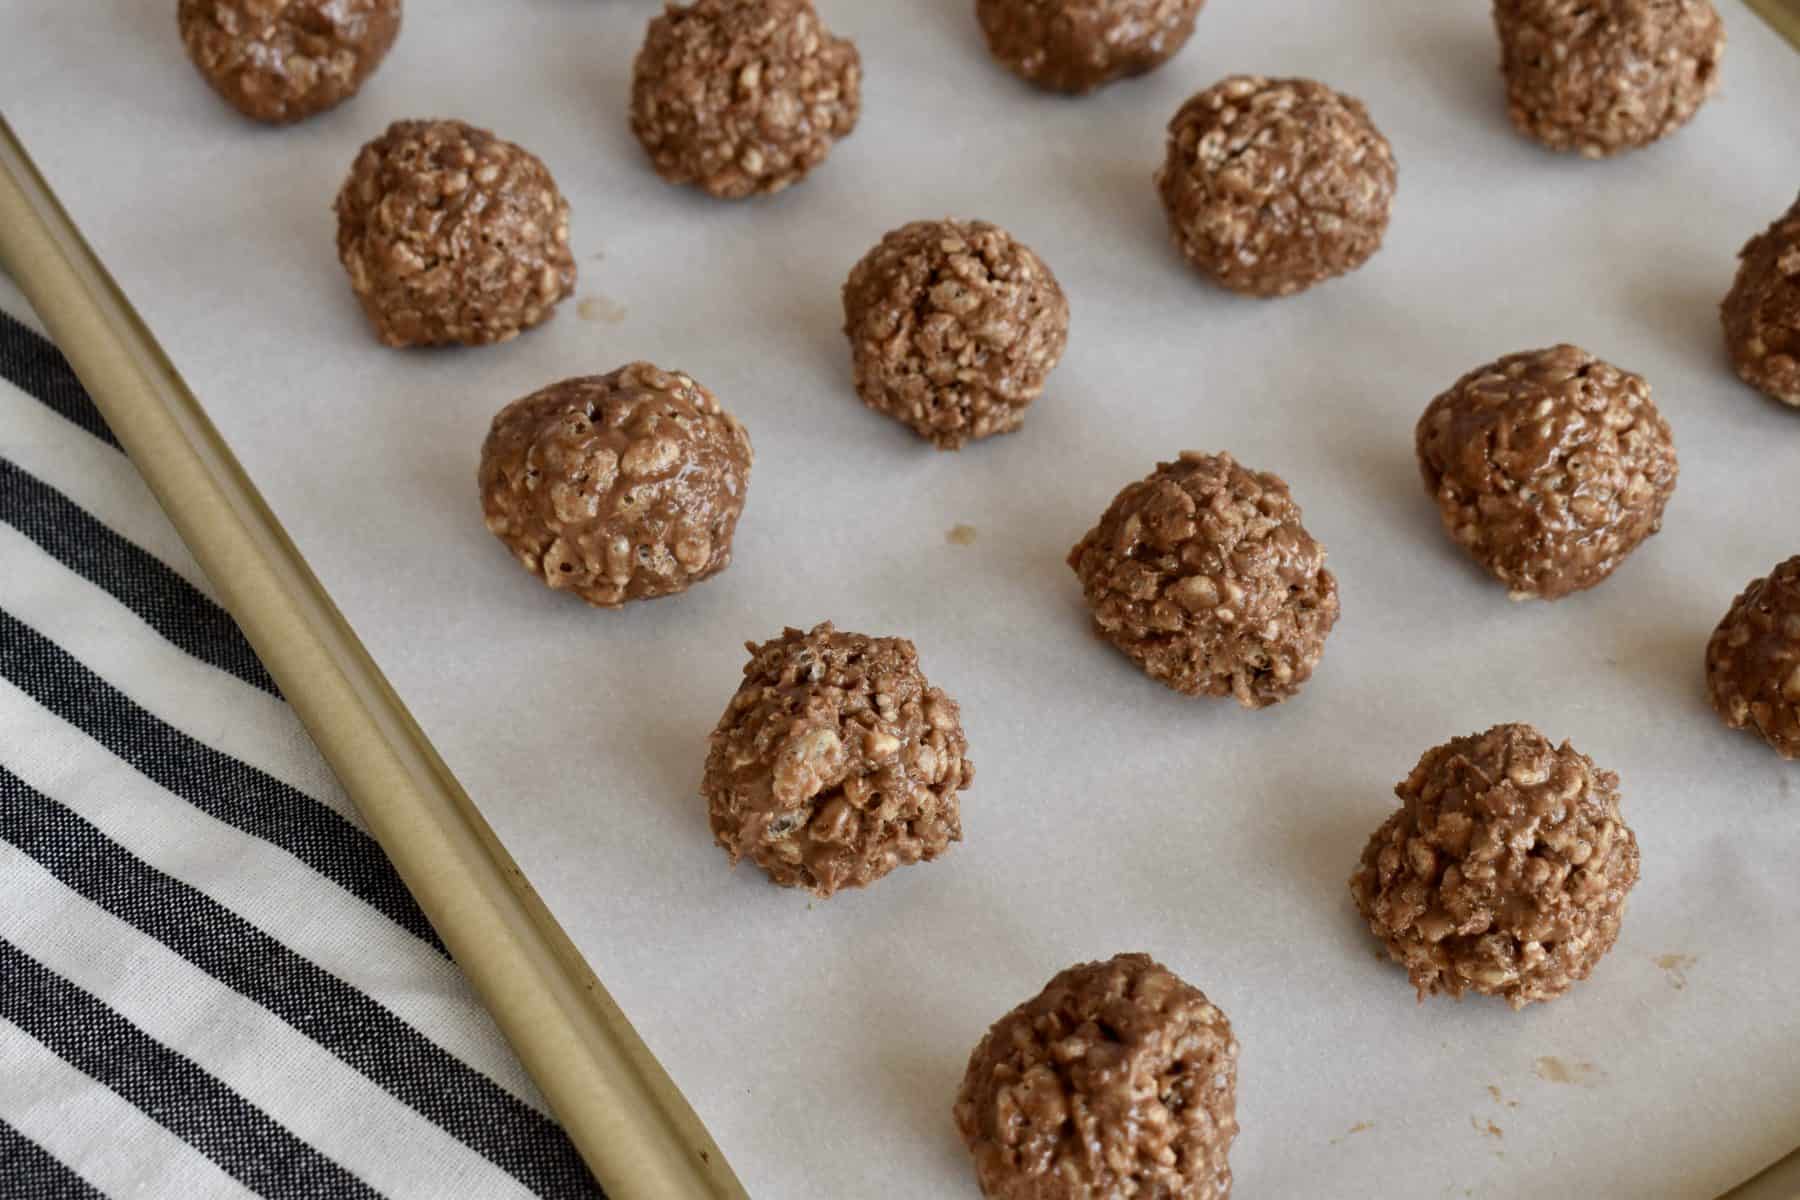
836	761
284	60
1203	575
1117	1080
1273	185
1504	871
1753	660
953	329
1762	312
1549	467
1601	76
1078	45
617	487
452	235
742	97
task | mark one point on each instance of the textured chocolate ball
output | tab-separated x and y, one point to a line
1118	1079
617	487
1203	575
1079	45
1274	185
1602	76
1548	467
451	235
836	761
1504	871
953	329
742	97
284	60
1762	311
1753	660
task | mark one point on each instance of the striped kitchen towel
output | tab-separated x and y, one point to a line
212	982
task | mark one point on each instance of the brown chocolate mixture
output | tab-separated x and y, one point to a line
617	487
1504	871
1274	185
742	97
1753	660
1203	575
1118	1079
1079	45
1549	467
953	329
452	235
1762	311
284	60
1602	76
836	761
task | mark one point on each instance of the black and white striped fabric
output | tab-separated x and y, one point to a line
212	982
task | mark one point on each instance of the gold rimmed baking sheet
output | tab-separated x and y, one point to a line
771	1014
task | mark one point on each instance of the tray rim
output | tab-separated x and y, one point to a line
1784	15
624	1113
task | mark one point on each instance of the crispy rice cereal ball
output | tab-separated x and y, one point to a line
1274	185
1548	467
1762	312
1203	575
284	60
451	235
1602	76
1117	1080
1753	660
617	487
953	329
742	97
1504	871
1079	45
836	761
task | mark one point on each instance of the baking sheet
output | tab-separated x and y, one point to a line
822	1043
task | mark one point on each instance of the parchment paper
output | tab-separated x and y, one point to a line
823	1043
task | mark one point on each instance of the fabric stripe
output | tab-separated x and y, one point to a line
202	701
391	1053
27	1172
140	581
241	1138
34	365
215	783
93	475
259	881
105	1138
240	1043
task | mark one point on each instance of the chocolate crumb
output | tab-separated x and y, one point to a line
1677	965
1554	1070
599	308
